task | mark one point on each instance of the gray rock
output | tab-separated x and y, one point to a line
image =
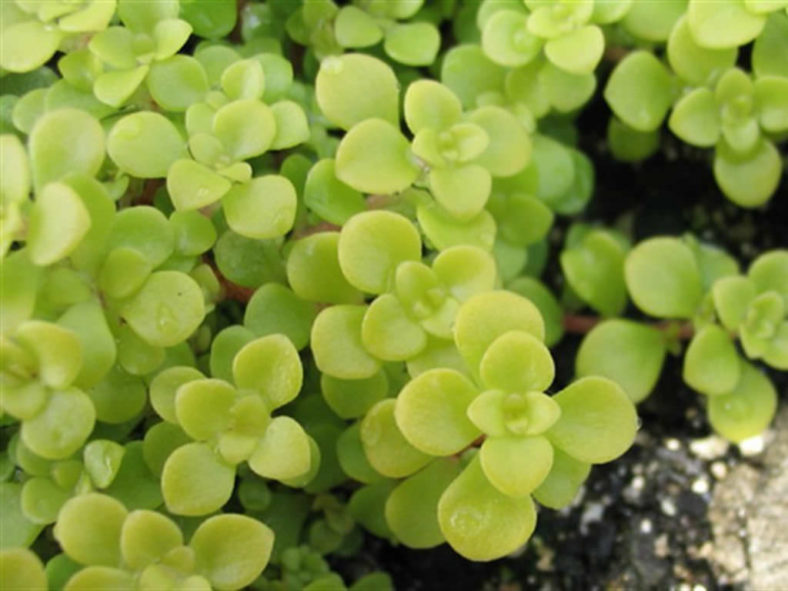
749	518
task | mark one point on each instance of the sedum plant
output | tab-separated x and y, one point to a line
276	276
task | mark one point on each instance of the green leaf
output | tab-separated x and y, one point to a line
269	365
15	529
352	459
389	333
166	310
147	537
27	45
770	51
145	144
567	91
732	297
135	485
164	387
545	301
20	568
41	499
336	344
177	82
328	197
509	149
695	118
283	451
119	397
469	73
747	410
577	52
263	208
517	362
653	21
62	427
598	421
696	64
58	223
412	507
412	44
145	229
116	87
726	23
355	87
431	412
100	577
195	481
367	506
292	127
487	316
276	309
374	157
769	272
560	487
480	522
385	446
231	550
462	191
246	127
630	145
465	271
516	465
355	28
507	41
351	399
771	96
169	35
628	353
202	407
594	269
65	141
663	278
102	459
640	91
371	246
313	270
209	19
443	230
748	180
430	105
711	363
244	79
89	529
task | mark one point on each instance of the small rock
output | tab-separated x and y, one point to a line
753	446
719	470
646	526
668	507
673	444
593	512
661	547
700	486
709	448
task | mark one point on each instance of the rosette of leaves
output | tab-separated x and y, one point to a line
231	424
455	154
533	443
673	279
33	31
151	35
146	550
379	252
754	307
567	30
328	29
737	118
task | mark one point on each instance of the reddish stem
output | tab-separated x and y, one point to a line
579	324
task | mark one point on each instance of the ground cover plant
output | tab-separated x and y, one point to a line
279	276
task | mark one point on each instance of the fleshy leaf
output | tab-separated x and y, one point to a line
21	568
695	118
283	452
202	407
413	44
479	521
263	208
560	486
89	529
769	272
640	91
663	278
355	87
374	157
507	41
336	344
328	197
746	411
462	191
517	362
516	465
389	333
697	64
711	363
577	52
385	446
246	127
313	270
598	421
431	412
145	144
27	45
62	427
231	550
146	537
195	480
748	180
430	105
509	149
628	353
269	365
355	28
412	507
725	23
58	222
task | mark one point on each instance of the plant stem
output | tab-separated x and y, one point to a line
580	324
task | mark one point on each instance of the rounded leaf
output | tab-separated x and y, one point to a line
389	333
598	421
147	537
374	157
412	44
577	52
202	407
177	82
27	45
21	569
193	186
560	487
328	197
269	365
231	550
696	64
283	452
355	87
748	180
747	410
145	144
62	427
195	481
431	412
480	522
430	105
89	529
336	343
507	41
516	465
724	23
313	270
711	364
385	446
663	278
263	208
628	353
509	149
695	118
517	362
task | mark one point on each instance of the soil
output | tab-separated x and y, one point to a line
641	522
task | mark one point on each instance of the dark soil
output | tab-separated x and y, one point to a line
641	521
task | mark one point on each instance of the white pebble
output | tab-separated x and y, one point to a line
700	486
646	526
710	447
673	444
668	507
719	470
752	446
